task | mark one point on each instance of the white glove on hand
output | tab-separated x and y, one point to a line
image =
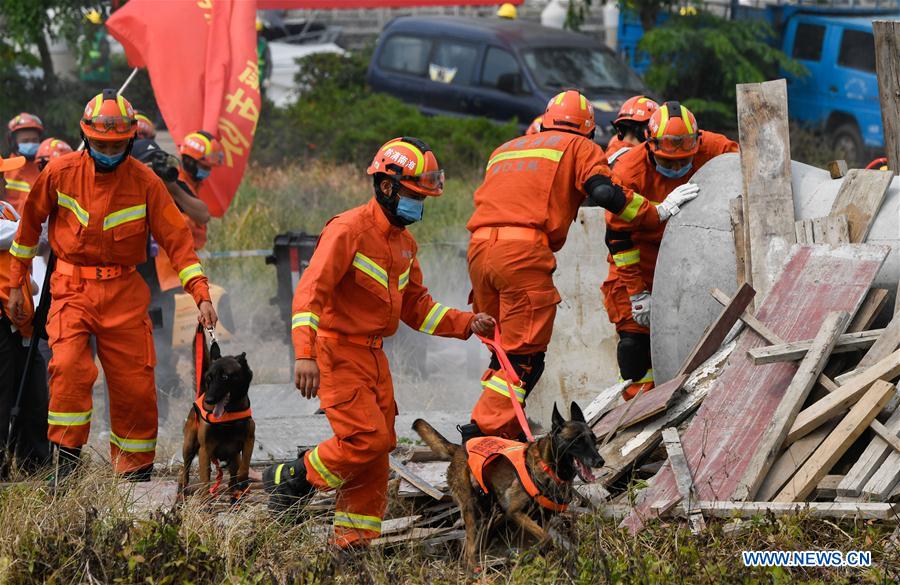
640	308
674	200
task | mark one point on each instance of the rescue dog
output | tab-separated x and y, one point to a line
220	425
552	463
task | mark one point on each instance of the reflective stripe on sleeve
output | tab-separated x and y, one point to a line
124	216
190	272
631	210
305	320
433	318
20	251
627	258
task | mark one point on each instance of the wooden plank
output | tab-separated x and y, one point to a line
647	405
683	478
837	168
861	511
790	460
871	308
827	488
395	525
725	432
837	443
766	171
831	229
415	480
749	319
859	199
841	399
605	401
887	343
738	228
879	487
790	352
769	444
715	334
869	462
887	66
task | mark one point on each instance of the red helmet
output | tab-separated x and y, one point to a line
145	126
412	162
51	148
108	117
535	126
23	121
202	147
636	109
569	111
673	132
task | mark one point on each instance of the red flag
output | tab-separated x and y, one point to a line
202	61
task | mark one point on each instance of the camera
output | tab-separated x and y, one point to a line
161	162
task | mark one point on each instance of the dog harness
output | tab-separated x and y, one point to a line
484	450
226	416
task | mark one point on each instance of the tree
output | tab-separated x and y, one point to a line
647	11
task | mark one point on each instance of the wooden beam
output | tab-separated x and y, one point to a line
887	343
750	320
837	168
715	334
775	432
646	405
827	488
869	462
813	509
790	460
831	229
871	308
859	199
683	479
885	480
887	66
842	398
415	480
739	229
791	352
766	171
607	400
837	443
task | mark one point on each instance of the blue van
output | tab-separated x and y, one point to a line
497	68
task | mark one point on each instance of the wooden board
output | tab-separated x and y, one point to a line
724	434
792	459
415	480
887	66
738	228
869	462
871	308
837	168
887	343
841	399
683	478
715	334
755	325
836	444
827	488
790	352
647	405
814	509
880	486
604	402
766	172
831	229
769	444
859	199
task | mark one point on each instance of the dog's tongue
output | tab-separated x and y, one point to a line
219	408
585	472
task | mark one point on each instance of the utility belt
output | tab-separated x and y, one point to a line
510	233
370	341
106	272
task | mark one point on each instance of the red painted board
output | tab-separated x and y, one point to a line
726	431
650	403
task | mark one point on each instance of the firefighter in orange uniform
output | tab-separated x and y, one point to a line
630	126
101	203
200	153
659	172
24	137
146	129
49	149
530	196
361	281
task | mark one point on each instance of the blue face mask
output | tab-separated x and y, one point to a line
202	173
28	149
107	160
674	174
410	210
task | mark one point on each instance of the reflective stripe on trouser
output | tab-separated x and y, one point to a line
115	313
511	281
357	395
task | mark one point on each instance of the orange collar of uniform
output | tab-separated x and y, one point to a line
227	416
384	224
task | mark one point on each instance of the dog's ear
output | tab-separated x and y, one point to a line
577	415
214	351
558	420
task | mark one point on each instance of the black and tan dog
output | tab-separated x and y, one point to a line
527	481
220	425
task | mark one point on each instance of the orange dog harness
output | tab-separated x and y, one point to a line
226	416
484	450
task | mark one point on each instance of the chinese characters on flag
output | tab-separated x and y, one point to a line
202	60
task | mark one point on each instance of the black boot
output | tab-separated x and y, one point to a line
139	475
469	431
67	462
287	486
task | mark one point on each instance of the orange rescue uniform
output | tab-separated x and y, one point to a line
616	148
98	228
19	183
165	274
531	193
361	281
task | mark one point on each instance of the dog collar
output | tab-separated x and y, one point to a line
227	416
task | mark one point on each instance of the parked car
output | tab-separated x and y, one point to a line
497	68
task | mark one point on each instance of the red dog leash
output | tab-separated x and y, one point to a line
509	374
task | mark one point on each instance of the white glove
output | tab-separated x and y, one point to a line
674	200
640	308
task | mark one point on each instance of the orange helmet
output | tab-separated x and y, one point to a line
202	147
10	164
535	126
673	132
412	162
145	126
569	111
636	109
23	121
51	148
108	117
